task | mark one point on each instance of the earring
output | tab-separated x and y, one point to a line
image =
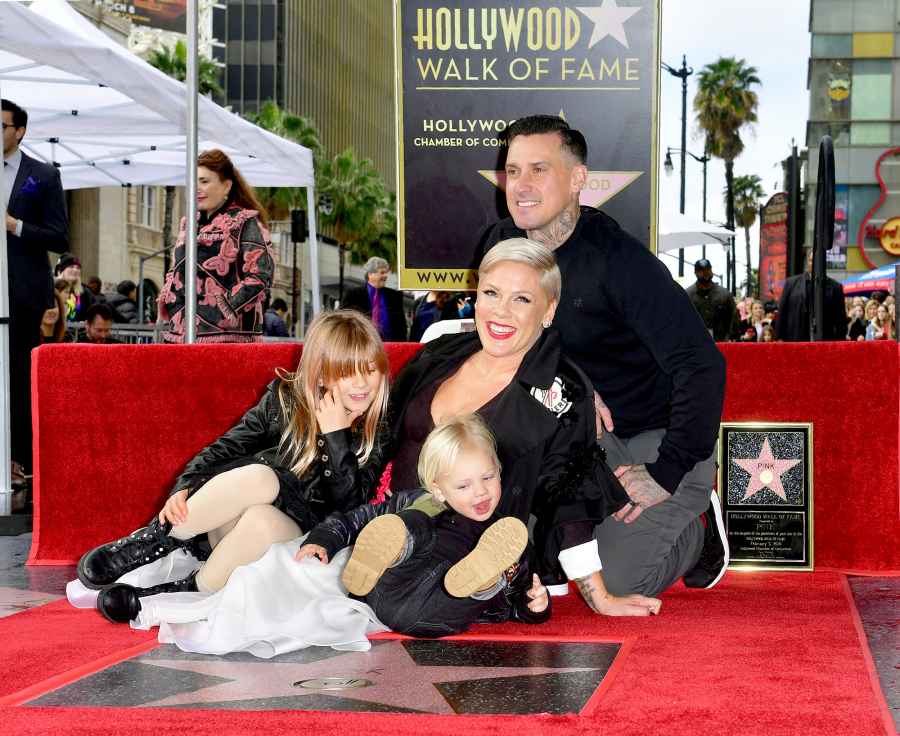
545	325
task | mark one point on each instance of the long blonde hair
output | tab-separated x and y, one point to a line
338	344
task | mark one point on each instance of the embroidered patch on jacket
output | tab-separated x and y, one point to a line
553	398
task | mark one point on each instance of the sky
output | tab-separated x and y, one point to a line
773	36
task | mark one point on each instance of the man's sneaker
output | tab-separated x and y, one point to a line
501	545
378	546
714	556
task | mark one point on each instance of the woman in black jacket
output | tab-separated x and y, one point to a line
309	447
538	404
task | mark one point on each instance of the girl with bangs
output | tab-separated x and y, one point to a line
311	446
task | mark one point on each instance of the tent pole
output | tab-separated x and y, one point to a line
190	175
5	436
313	250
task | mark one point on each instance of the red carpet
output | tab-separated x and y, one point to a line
155	387
760	654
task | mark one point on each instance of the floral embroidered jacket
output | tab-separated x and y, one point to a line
235	265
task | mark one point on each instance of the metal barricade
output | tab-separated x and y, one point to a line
145	334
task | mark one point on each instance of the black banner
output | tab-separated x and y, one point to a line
470	67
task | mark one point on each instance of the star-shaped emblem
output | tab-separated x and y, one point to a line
609	20
391	679
765	472
600	187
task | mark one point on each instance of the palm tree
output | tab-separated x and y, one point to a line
356	194
747	191
173	61
279	201
725	102
380	239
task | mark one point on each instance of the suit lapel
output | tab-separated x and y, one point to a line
21	176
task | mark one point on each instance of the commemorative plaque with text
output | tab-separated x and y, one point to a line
466	69
765	484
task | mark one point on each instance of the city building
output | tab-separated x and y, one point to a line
284	50
854	96
118	232
332	62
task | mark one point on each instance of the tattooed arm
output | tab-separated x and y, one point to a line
600	601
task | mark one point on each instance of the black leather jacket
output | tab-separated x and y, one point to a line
335	479
340	530
545	428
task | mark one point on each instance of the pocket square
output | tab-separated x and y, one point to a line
31	185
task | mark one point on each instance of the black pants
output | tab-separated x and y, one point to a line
24	336
410	597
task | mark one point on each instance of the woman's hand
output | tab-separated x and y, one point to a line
332	415
312	550
175	510
629	605
600	601
538	594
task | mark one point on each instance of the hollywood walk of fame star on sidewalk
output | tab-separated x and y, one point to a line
398	680
765	472
609	20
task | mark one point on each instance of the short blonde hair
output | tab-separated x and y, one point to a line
447	440
531	253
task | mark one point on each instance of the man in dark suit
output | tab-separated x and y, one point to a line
796	305
36	221
375	300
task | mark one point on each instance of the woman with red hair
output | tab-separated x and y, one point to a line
235	263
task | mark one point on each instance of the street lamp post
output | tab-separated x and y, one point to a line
683	73
670	167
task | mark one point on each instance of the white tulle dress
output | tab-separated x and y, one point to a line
268	607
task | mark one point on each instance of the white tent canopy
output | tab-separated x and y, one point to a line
682	231
108	118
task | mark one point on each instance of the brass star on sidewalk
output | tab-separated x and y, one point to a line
392	679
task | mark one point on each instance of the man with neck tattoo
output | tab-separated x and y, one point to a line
633	330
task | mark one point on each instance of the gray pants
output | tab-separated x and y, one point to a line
650	554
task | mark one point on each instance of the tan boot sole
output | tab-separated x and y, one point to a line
378	545
501	546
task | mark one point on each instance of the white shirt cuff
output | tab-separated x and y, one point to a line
581	560
18	228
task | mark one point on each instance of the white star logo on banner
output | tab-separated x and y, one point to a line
600	187
609	20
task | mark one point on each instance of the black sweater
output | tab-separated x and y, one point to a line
633	330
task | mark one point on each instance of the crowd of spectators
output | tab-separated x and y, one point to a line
752	320
868	318
871	319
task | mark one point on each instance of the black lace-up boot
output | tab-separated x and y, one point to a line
121	603
105	564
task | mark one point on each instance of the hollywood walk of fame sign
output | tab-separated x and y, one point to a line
467	69
766	487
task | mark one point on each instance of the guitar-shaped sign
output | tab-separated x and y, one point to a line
888	233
